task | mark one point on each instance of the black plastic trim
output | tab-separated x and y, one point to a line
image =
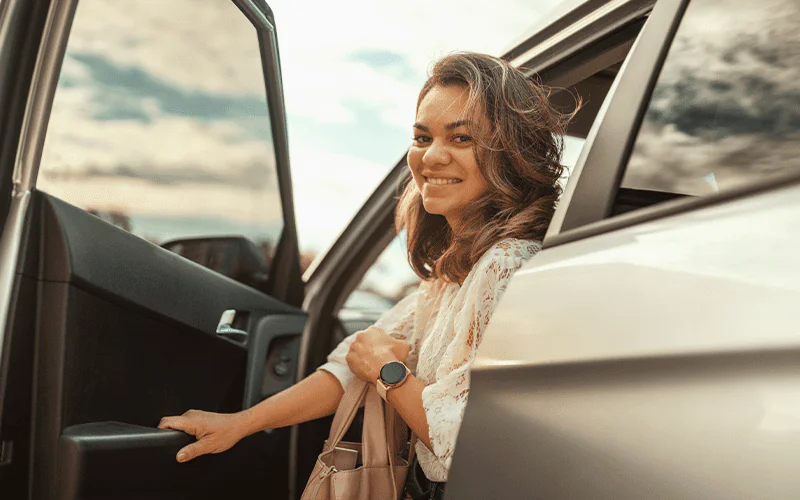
258	343
575	31
112	459
141	273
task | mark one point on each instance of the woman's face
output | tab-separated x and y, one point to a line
441	158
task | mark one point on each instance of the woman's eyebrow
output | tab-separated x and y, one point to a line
449	126
455	125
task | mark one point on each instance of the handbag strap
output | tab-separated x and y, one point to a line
346	412
374	444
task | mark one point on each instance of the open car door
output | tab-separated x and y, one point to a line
135	139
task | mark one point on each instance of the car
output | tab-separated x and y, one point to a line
648	351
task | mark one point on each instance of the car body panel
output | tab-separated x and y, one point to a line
688	264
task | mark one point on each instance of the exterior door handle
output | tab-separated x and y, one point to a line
224	329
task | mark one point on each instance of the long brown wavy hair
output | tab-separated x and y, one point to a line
519	154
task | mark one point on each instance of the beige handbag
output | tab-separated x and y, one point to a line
337	475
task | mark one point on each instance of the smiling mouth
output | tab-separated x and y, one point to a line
440	181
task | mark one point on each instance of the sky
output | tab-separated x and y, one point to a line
160	114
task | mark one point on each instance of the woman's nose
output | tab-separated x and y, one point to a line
436	154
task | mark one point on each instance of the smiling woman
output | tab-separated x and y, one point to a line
485	161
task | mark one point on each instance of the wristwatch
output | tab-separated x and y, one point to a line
393	374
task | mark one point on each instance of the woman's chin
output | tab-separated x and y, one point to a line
435	208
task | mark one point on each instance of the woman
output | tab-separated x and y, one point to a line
485	166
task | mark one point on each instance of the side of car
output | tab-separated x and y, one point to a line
650	349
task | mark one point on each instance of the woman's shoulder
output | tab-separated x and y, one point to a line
505	257
511	251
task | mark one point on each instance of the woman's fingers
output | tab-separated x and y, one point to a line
182	424
191	451
215	432
403	349
176	424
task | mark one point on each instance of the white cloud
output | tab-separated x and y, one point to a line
318	39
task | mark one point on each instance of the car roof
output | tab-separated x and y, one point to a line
570	17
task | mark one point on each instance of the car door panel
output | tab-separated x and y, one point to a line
126	333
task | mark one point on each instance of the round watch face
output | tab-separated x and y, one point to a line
393	372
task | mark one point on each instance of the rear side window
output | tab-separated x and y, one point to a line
725	111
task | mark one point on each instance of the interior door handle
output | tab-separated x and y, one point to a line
224	329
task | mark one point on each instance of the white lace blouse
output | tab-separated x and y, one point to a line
444	323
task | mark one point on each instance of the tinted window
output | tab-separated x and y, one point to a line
160	124
726	107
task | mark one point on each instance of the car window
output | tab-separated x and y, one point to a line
160	124
725	111
387	281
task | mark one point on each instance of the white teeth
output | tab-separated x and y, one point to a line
440	181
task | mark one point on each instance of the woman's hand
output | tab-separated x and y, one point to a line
215	432
373	348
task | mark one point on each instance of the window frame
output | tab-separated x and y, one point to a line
591	194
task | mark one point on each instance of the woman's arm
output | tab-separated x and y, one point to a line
314	397
407	400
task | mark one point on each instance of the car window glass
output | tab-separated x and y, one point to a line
386	282
569	157
726	107
160	123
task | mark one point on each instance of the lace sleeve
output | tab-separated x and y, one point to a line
397	322
444	401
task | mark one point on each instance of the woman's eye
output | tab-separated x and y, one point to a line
421	139
461	139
